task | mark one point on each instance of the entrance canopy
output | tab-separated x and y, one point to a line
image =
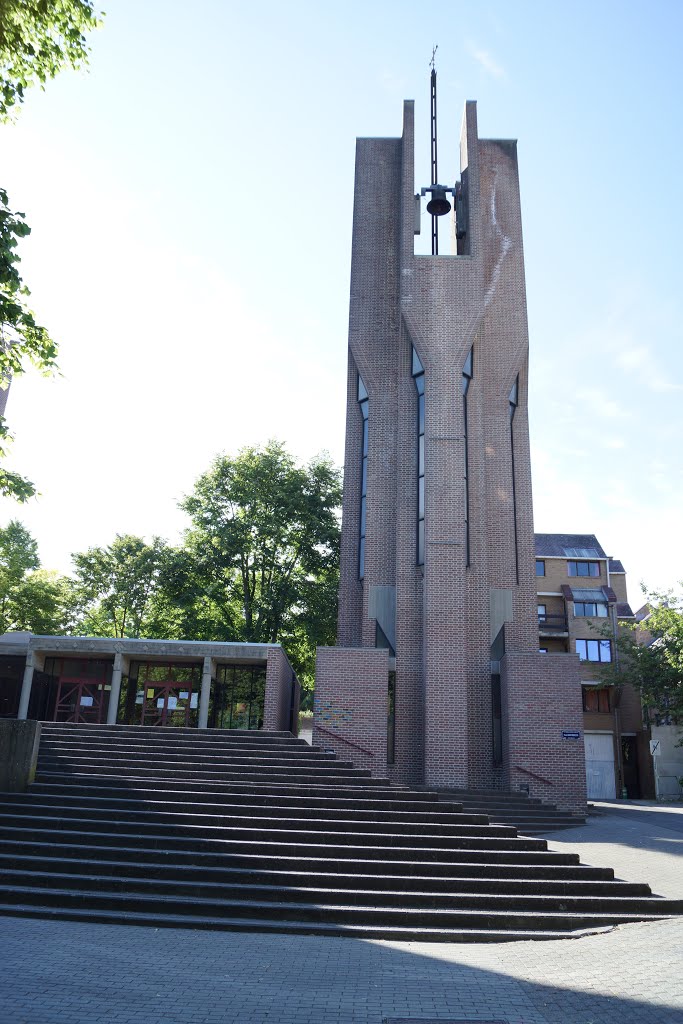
149	682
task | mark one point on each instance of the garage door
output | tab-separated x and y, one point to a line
600	783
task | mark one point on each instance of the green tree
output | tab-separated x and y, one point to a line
264	550
37	40
116	588
30	598
650	657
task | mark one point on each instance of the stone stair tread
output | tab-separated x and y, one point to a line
364	791
553	864
226	831
283	907
257	831
301	876
245	814
322	895
307	928
395	815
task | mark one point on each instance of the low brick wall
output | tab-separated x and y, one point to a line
541	699
351	705
278	701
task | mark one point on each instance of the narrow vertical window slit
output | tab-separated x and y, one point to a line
363	403
419	378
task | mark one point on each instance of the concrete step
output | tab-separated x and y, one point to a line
309	892
246	831
562	867
487	880
244	805
258	924
246	816
318	845
301	831
364	800
199	762
244	772
361	791
85	731
444	918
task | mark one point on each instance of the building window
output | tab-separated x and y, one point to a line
363	403
540	567
596	699
541	613
583	568
594	650
467	374
419	378
594	609
513	399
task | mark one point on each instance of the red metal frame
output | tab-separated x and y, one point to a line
158	695
71	692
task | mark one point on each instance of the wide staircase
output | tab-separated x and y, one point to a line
529	815
259	831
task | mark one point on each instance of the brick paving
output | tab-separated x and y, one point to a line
76	973
85	973
642	840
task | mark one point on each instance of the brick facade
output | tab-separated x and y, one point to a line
617	713
351	705
281	706
447	612
540	702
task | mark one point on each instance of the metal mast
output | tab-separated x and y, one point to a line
435	175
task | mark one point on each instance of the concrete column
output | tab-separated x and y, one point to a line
115	691
26	686
207	673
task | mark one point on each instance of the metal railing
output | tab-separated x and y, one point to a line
552	623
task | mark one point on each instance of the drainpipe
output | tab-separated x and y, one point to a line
617	697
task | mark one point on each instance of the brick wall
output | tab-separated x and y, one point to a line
541	698
280	679
351	705
443	307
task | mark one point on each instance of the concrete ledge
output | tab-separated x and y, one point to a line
19	742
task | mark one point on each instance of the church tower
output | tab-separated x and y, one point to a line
437	679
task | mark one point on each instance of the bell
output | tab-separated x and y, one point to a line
438	205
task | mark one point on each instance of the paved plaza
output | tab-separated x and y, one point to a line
75	973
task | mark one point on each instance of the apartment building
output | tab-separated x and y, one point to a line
582	600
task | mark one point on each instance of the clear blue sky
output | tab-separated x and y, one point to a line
191	205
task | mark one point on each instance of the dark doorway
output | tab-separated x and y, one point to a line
81	688
238	697
629	763
11	679
165	694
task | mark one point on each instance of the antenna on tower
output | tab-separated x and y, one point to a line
438	205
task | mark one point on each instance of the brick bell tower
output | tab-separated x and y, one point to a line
437	679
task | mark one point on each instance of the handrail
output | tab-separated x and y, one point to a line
335	735
533	774
552	621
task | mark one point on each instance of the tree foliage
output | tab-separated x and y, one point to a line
30	598
116	587
260	563
22	339
650	657
264	549
38	38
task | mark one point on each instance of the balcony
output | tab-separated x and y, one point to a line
552	625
